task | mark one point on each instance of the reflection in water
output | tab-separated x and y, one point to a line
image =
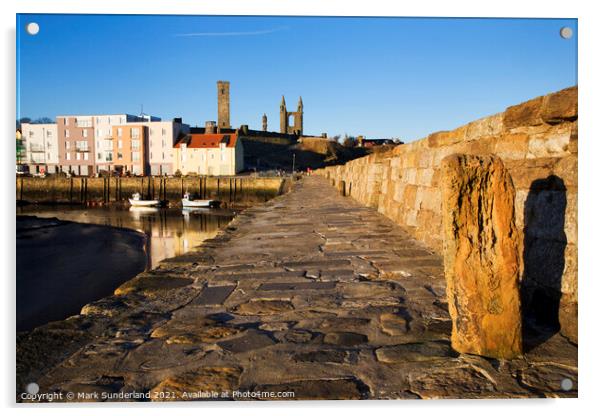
170	231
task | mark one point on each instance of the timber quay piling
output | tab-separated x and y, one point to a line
311	294
105	190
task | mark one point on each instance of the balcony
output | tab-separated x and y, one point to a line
36	148
82	149
37	160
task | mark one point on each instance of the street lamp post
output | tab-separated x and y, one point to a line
293	163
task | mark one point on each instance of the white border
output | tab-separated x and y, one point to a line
589	196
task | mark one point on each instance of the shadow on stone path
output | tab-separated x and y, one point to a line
311	293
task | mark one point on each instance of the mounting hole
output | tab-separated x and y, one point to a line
32	28
566	32
32	388
566	384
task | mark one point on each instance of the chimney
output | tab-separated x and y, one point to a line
210	127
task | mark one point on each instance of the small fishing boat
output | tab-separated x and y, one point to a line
195	203
136	201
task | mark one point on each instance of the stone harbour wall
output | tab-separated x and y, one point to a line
116	189
537	142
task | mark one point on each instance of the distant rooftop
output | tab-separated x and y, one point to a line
207	141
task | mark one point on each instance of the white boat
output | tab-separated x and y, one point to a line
196	203
135	201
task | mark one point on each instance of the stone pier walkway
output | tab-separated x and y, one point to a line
311	293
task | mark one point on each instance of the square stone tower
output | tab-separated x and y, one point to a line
223	104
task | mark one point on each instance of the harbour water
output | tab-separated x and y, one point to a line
85	253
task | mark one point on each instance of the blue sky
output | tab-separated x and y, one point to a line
380	77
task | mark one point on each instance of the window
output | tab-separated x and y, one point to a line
48	155
30	133
67	144
77	156
98	120
163	155
119	155
48	133
99	156
151	155
66	133
163	132
162	143
135	144
83	123
135	156
85	156
119	132
212	156
85	133
135	132
223	156
66	121
68	156
120	144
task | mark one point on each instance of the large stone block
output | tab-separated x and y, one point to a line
569	277
409	196
554	143
443	138
573	143
524	114
560	106
431	200
424	177
481	256
567	316
487	126
567	168
512	146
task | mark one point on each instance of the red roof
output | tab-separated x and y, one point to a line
204	141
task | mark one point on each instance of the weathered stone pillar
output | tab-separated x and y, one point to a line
481	256
341	187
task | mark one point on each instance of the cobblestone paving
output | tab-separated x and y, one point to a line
311	293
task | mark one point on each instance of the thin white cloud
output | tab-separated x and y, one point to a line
252	33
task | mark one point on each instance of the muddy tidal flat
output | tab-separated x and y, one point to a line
63	265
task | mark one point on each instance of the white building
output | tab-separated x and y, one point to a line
162	136
40	142
209	154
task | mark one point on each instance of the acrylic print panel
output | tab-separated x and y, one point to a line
295	208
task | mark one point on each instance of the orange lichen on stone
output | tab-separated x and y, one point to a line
481	256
